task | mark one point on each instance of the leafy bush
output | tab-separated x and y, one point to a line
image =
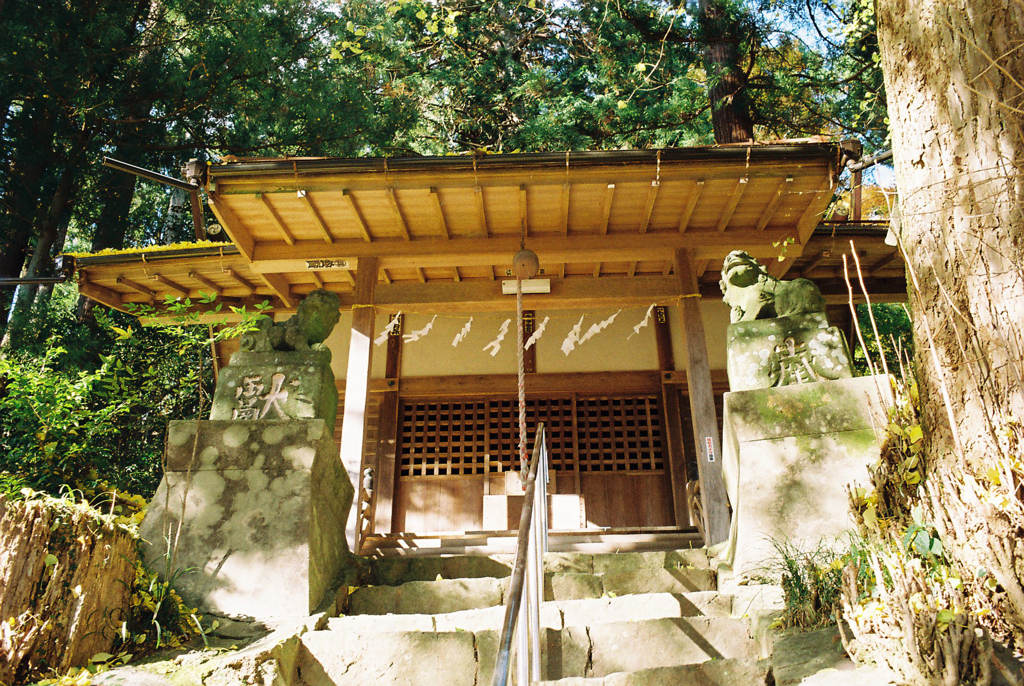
811	582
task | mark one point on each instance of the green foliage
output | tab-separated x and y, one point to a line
811	581
71	417
895	339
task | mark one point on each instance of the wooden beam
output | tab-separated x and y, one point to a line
606	207
597	270
136	286
702	405
551	248
678	474
691	204
100	294
241	280
435	201
277	220
540	384
214	287
529	354
883	263
384	275
702	266
811	216
481	212
317	281
357	383
632	268
280	286
781	189
663	339
486	296
315	214
814	263
399	218
421	274
734	200
456	275
652	196
173	285
346	195
566	189
233	226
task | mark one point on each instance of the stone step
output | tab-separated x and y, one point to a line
352	657
553	615
393	571
452	595
729	672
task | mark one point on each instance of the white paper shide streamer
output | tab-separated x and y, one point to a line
383	337
461	336
645	322
573	337
536	333
598	328
419	333
495	345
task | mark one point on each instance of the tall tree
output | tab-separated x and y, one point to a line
954	75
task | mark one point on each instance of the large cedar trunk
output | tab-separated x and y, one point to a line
953	74
731	116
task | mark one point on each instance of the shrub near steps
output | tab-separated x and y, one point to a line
606	613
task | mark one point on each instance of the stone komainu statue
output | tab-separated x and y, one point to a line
307	329
753	293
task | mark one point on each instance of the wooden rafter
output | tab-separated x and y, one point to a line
652	196
357	214
277	220
317	281
481	212
781	188
399	217
456	275
813	263
606	207
315	214
566	188
524	213
730	206
883	263
216	288
232	224
241	280
435	201
173	285
136	286
281	288
691	204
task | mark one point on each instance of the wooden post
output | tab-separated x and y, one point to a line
387	436
702	405
673	426
357	385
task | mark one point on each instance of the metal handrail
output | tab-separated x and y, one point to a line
527	572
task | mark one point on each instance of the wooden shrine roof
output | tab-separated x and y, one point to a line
604	224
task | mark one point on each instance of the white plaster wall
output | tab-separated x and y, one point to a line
609	350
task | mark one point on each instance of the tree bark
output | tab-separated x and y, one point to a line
954	71
731	114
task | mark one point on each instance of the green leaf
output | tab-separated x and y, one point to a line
100	657
50	560
421	15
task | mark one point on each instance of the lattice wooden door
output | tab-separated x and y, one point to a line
609	449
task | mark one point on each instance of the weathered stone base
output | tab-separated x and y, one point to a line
255	512
788	455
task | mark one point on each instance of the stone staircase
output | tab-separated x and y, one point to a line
609	619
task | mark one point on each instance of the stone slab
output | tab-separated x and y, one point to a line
636	608
393	571
570	586
329	658
276	385
667	580
427	597
261	507
631	646
788	454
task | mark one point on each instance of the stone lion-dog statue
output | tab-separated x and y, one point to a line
307	329
753	293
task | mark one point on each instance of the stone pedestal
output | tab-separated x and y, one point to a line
257	511
788	454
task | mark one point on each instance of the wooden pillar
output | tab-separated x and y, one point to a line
387	436
357	384
672	418
702	404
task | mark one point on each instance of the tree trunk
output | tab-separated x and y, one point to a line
731	116
45	240
954	71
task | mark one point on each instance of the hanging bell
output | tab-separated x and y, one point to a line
525	264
